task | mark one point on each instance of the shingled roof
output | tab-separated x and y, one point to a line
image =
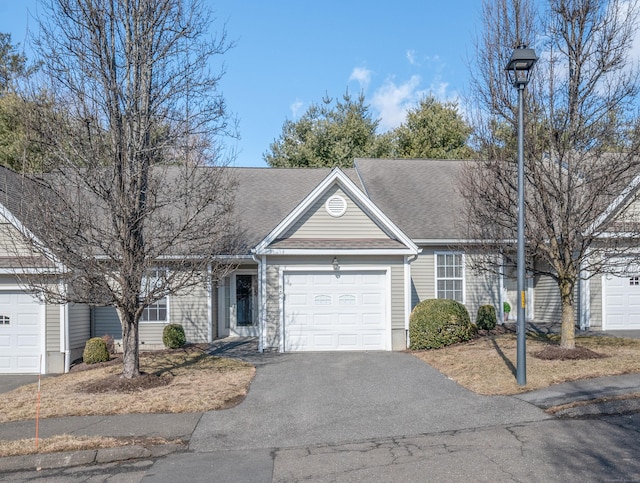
419	195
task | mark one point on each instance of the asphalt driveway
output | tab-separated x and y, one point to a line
315	398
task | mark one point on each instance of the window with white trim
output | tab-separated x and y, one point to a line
450	276
156	312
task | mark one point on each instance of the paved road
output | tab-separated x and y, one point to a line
382	417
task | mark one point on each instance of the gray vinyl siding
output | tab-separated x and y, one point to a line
317	223
397	297
423	277
79	325
106	322
272	335
52	322
547	302
11	241
482	288
595	300
191	310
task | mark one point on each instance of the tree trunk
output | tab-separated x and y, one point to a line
130	361
568	338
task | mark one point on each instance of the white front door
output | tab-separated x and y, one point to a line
20	333
326	311
237	301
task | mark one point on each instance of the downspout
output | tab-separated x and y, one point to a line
67	340
64	331
501	290
408	260
209	304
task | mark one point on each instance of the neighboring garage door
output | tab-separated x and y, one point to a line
327	311
622	302
20	337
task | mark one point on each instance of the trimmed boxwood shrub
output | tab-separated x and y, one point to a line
486	318
95	350
437	323
173	336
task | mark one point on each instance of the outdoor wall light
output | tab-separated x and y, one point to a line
336	264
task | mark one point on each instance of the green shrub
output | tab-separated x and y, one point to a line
173	336
486	318
95	350
437	323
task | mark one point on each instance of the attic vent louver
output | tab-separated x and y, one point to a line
336	206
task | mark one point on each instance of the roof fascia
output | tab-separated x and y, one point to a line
338	251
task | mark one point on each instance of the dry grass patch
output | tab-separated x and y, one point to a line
487	365
66	442
183	380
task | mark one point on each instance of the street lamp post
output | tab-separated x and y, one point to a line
519	69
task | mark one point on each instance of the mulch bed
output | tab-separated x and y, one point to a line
120	384
557	353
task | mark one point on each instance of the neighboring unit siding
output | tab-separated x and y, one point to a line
106	322
547	302
595	300
79	325
52	317
317	223
482	288
191	310
11	241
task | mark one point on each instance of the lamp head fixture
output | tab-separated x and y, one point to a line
520	64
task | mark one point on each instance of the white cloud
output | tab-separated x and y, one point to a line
392	101
295	108
362	75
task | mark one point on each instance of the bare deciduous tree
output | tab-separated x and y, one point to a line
135	208
581	136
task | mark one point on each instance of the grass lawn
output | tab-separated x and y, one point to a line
487	365
178	381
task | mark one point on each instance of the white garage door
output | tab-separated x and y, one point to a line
20	341
622	302
325	311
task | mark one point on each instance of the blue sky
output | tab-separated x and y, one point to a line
290	53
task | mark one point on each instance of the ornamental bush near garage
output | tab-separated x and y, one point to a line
95	350
437	323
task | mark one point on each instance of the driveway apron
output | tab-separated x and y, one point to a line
315	398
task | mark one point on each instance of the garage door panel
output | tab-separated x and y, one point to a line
20	338
345	312
320	320
622	302
27	363
347	320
